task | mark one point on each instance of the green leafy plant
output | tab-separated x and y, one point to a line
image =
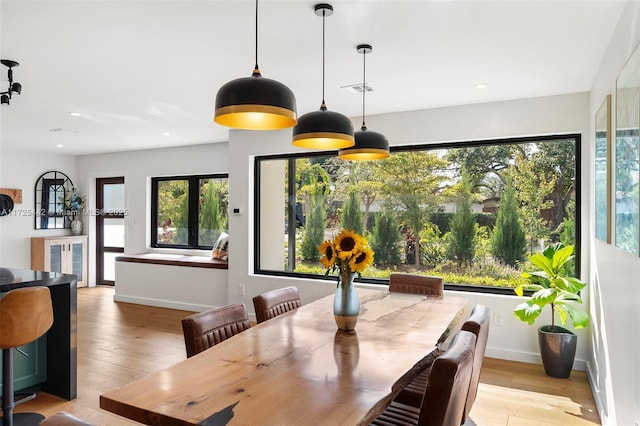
552	286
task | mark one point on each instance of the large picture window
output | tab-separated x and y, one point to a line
470	212
189	211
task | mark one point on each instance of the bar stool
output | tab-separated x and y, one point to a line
26	314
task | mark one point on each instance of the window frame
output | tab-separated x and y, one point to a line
194	209
428	147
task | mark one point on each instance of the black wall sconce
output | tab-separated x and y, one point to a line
13	87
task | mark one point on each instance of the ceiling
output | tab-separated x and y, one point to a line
144	74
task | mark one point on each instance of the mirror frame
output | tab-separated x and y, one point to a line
44	216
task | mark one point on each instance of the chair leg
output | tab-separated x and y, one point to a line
7	387
8	402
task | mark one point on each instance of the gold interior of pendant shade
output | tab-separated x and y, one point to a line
255	117
323	140
363	154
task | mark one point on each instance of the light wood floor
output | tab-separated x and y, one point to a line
121	342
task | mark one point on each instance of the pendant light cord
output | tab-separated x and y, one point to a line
364	84
323	16
257	36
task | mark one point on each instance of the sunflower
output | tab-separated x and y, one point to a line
361	260
347	252
348	244
328	254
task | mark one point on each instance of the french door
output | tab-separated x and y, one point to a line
110	206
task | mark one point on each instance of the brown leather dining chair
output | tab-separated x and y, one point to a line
64	419
478	324
276	302
446	393
26	314
206	329
416	284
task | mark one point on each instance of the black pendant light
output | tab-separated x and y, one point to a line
255	103
14	88
369	145
323	129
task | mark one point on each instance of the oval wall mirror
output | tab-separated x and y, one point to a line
51	188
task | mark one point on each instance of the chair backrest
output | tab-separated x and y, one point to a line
416	284
206	329
446	393
26	314
63	419
275	302
478	324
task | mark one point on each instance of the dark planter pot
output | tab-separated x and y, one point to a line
558	350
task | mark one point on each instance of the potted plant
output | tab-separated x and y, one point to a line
552	285
74	204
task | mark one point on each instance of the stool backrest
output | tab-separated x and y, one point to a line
26	314
276	302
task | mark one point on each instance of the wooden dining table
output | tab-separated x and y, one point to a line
298	368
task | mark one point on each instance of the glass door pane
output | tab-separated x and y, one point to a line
110	226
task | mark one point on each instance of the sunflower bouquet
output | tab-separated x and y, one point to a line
348	253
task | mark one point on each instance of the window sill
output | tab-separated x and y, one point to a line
174	260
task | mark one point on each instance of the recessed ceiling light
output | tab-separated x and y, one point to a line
59	145
74	114
167	134
480	85
357	88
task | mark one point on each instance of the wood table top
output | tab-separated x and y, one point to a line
298	368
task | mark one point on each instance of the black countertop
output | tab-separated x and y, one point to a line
11	278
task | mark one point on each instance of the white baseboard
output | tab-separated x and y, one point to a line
528	357
168	304
183	306
597	395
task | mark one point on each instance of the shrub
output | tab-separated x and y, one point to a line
384	240
314	228
462	237
351	213
432	246
508	242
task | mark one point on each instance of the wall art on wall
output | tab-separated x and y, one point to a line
603	171
627	155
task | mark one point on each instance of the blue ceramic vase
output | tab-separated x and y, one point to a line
346	304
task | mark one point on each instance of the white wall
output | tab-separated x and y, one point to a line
138	167
169	286
614	365
549	115
20	169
